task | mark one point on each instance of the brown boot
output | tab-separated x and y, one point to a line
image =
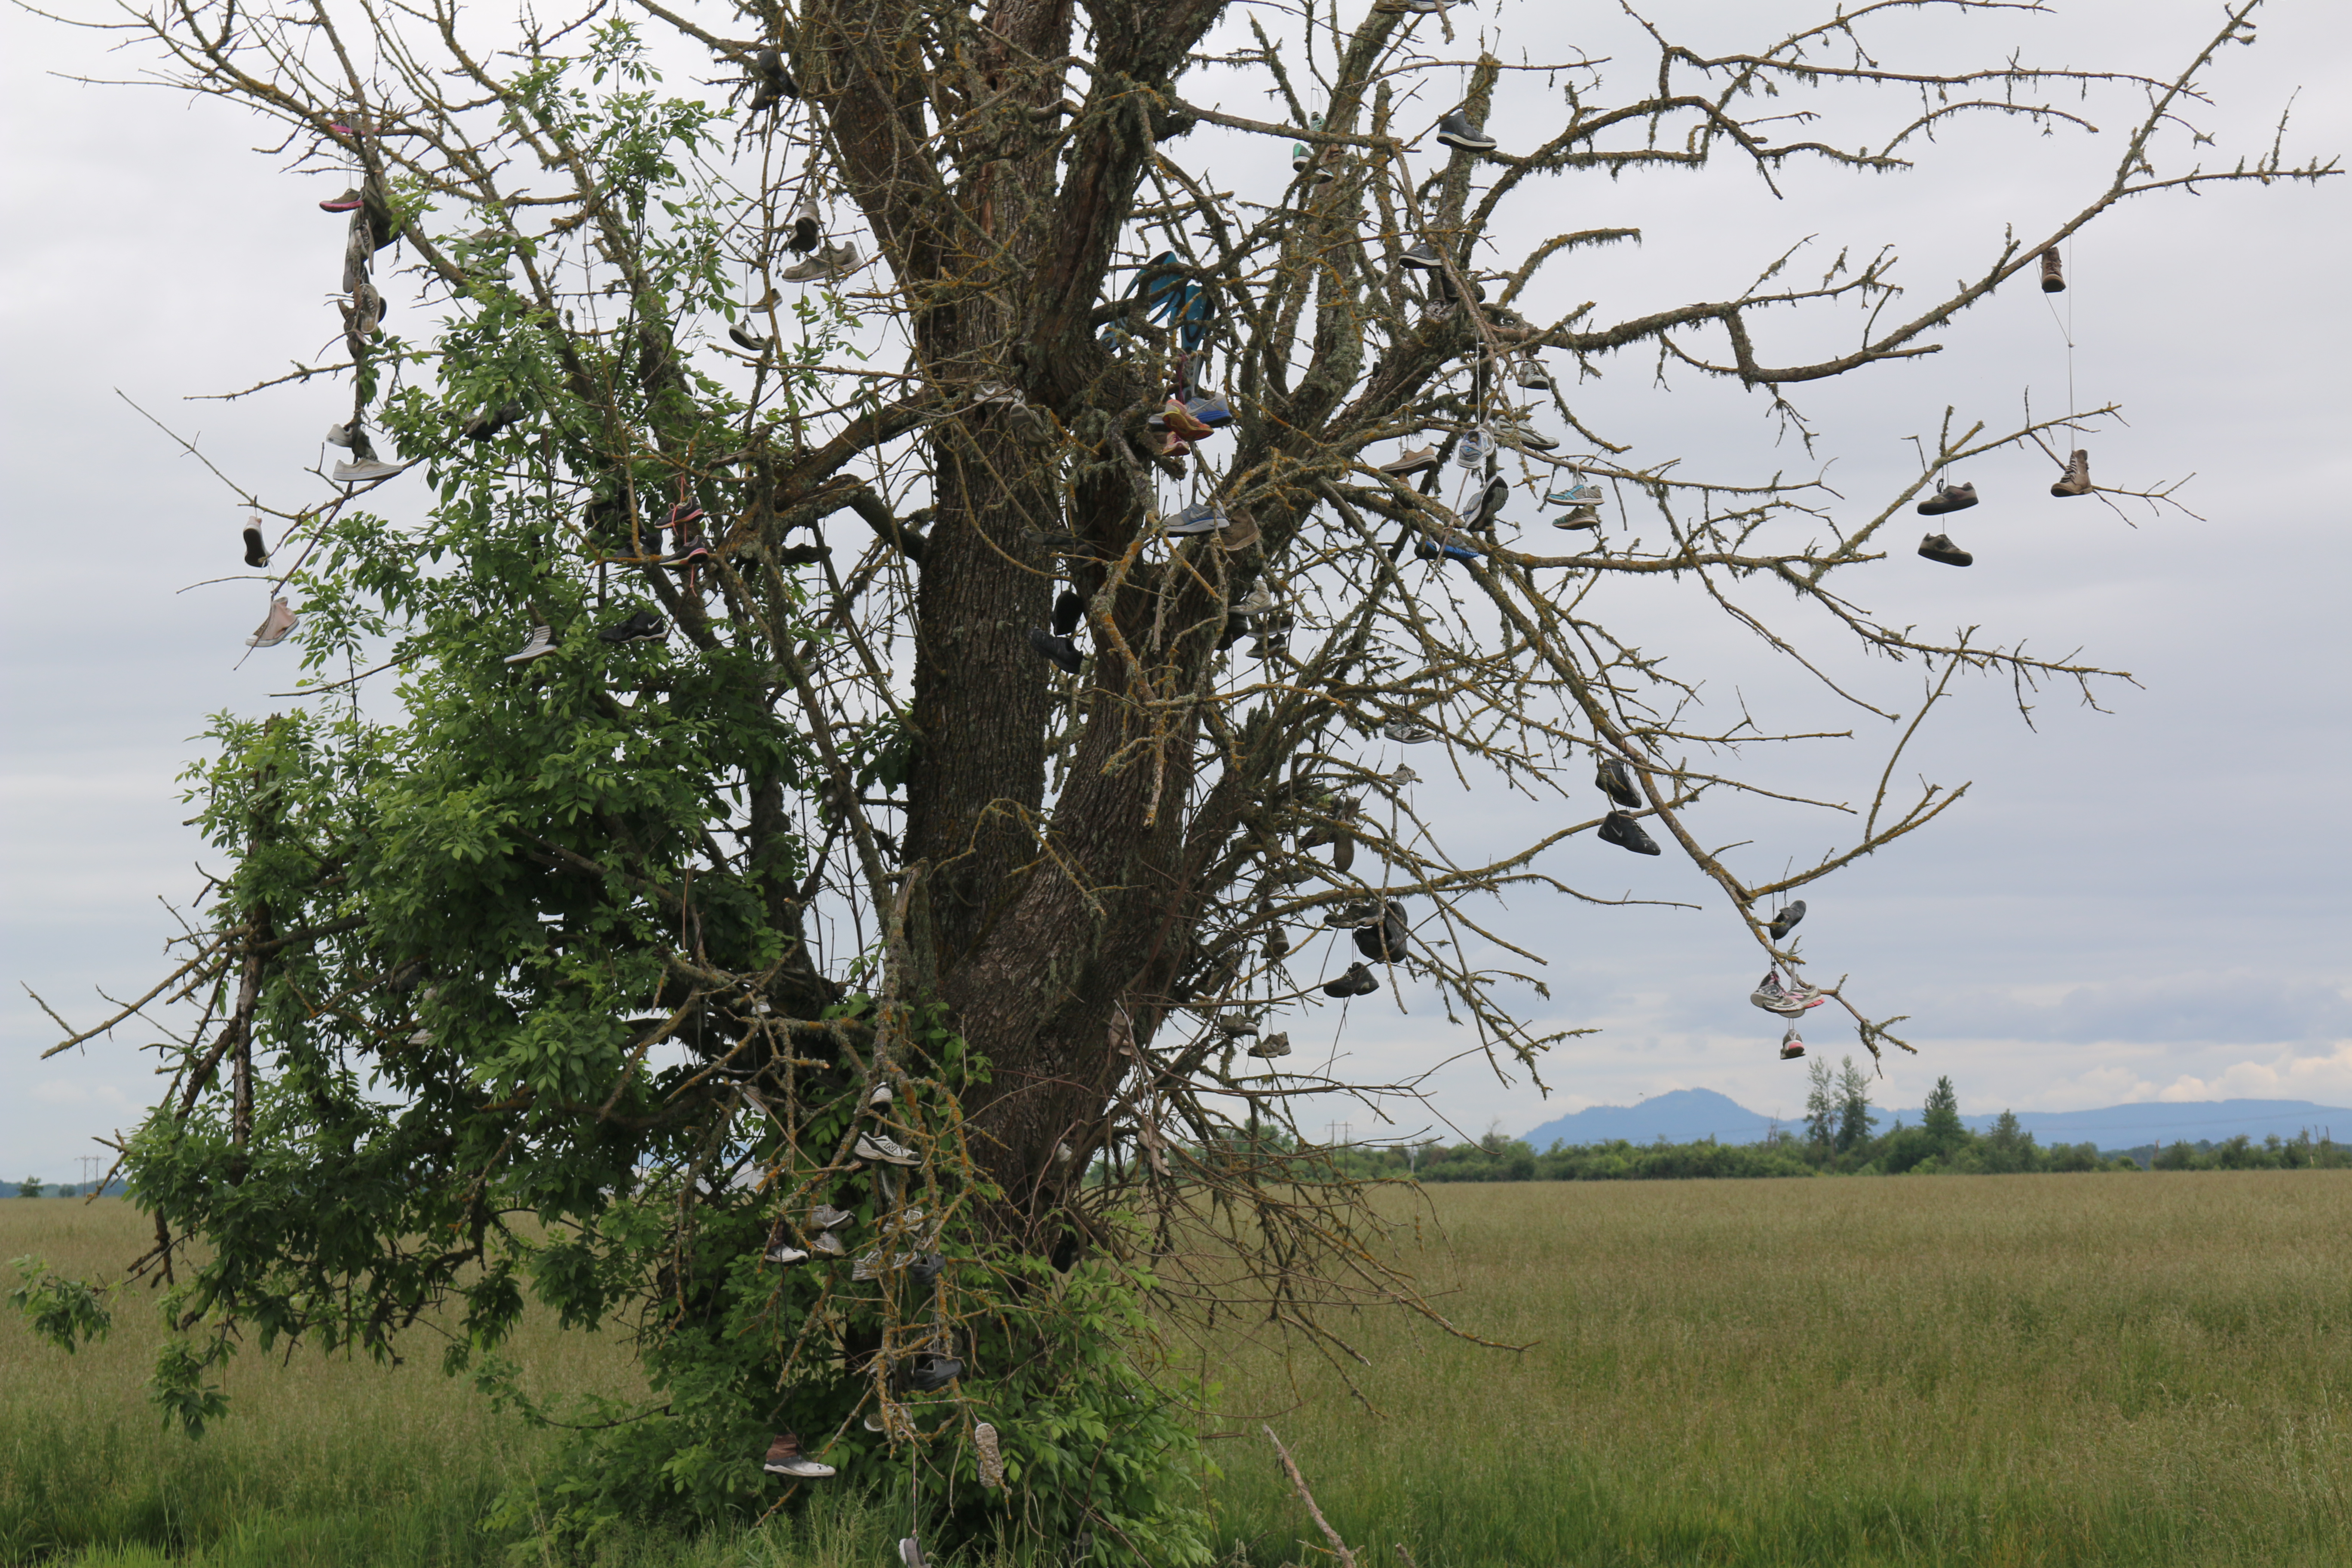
2054	281
2078	482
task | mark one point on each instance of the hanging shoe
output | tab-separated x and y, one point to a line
1937	547
1455	130
1261	601
349	202
785	1459
644	625
1179	421
1476	447
1522	437
1577	494
910	1554
1428	552
257	549
1786	920
1356	982
883	1151
489	422
1201	517
1235	1024
1413	461
340	436
935	1375
2078	482
1529	372
806	230
1271	1047
1775	997
1302	156
540	642
1383	940
750	342
1490	504
784	1254
1580	517
2053	280
1614	778
1068	611
1274	636
1411	7
992	1458
1626	834
1422	258
1276	948
1791	1048
361	473
830	1245
1213	412
1404	733
827	1218
1402	776
1948	497
1058	651
275	626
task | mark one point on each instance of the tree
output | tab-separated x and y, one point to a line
1854	1120
30	1188
627	926
1942	1119
1822	1109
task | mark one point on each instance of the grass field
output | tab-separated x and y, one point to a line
2029	1370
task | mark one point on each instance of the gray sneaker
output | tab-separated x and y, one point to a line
827	1218
1948	497
1786	920
1938	548
876	1147
1406	734
366	472
2077	481
1269	1047
1455	130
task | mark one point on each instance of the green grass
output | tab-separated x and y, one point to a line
1983	1371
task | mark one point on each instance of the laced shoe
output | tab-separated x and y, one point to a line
1269	1047
992	1457
1201	517
927	1271
830	1245
1489	508
1178	421
1383	940
1348	915
1627	834
876	1147
1428	552
1786	920
830	261
257	549
1068	611
644	625
1422	258
1260	600
1276	948
1235	1024
484	426
540	642
1413	460
349	202
935	1375
1791	1048
1402	776
1520	436
1241	534
828	1218
785	1459
784	1254
1578	517
1576	494
1476	447
1937	547
744	338
2077	481
340	436
1356	982
1456	131
1788	999
2053	277
1613	777
1406	734
275	626
364	472
1530	373
1948	497
1060	652
1274	635
806	229
882	1096
910	1554
1211	411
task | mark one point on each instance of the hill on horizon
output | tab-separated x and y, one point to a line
1689	1115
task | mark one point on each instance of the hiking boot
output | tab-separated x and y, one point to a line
1356	982
1937	547
875	1146
364	473
1413	461
540	642
1791	1048
785	1459
1270	1046
257	549
992	1458
1455	130
1626	834
1406	734
2078	482
1068	611
1061	652
2053	278
1614	778
275	626
1948	497
349	202
750	342
1422	258
644	625
827	1218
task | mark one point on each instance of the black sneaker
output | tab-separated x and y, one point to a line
1616	781
1626	834
1490	506
1936	547
1949	498
642	627
1455	130
1356	982
1060	651
1068	611
257	549
935	1375
750	342
1383	940
1786	920
1423	257
927	1268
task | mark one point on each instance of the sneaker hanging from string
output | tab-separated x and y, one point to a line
807	229
1476	447
1939	548
539	645
1413	460
785	1459
1948	497
1791	1048
275	626
1613	777
2077	478
1268	1047
257	549
1058	651
1786	920
1627	834
1455	130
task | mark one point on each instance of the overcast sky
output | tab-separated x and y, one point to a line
2144	904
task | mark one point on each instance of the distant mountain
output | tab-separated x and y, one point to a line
1687	1115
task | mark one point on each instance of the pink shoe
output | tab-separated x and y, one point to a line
275	626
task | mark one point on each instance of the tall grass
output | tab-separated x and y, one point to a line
1982	1371
2064	1370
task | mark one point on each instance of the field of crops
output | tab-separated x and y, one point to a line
1980	1370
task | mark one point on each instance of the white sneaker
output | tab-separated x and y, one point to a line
1202	517
1531	373
361	473
542	644
1476	449
875	1146
275	626
1405	734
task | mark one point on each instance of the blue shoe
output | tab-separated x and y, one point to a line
1201	517
1450	552
1213	412
1575	495
1476	449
